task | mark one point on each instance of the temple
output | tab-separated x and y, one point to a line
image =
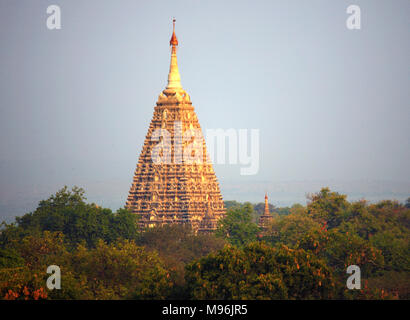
174	181
266	217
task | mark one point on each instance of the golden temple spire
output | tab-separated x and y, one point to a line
266	205
174	79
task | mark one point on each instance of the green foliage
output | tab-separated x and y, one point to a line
237	226
10	258
28	280
121	270
180	242
67	212
341	250
108	271
303	254
232	204
259	208
372	236
393	282
290	229
259	271
327	207
177	245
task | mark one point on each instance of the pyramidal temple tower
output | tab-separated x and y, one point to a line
266	217
174	181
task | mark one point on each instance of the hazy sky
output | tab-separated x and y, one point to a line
332	104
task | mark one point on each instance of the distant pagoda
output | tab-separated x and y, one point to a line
266	217
170	186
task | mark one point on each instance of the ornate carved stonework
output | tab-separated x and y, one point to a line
175	190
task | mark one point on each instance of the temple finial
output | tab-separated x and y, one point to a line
174	41
174	79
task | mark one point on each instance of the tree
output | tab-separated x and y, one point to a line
407	204
122	270
327	207
102	255
67	212
237	226
119	270
27	280
259	271
290	229
10	258
177	245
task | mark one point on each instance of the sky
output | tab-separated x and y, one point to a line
331	104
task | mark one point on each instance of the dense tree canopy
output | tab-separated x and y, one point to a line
177	245
237	227
303	253
372	236
108	271
259	271
67	212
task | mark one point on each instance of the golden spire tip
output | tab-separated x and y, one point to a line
174	40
